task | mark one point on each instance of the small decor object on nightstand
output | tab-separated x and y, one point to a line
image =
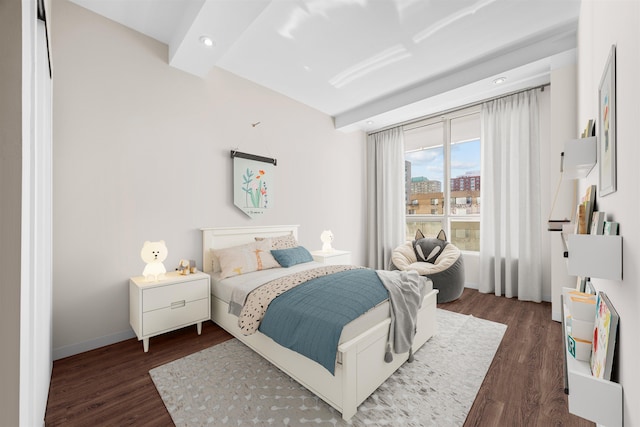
154	253
326	237
184	267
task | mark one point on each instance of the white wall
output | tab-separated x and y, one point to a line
603	23
141	152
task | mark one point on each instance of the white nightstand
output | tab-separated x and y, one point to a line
168	304
334	257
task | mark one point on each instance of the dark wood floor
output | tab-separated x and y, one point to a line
111	386
525	383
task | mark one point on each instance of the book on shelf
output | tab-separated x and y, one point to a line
577	293
610	228
588	287
582	307
580	349
581	220
590	204
597	223
604	338
581	283
585	210
590	130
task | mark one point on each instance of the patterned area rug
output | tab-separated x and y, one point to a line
229	384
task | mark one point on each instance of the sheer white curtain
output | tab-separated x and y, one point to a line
385	196
511	228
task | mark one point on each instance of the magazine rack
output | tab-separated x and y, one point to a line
589	397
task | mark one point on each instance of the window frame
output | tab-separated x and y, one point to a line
446	218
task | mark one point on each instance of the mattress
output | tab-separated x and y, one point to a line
223	289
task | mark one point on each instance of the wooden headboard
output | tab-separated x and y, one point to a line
224	237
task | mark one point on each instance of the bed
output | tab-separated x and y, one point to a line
360	367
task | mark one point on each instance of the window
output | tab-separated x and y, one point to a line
443	179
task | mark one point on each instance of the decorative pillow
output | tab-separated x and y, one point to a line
238	260
280	242
292	256
428	249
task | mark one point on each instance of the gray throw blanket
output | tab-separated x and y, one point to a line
405	297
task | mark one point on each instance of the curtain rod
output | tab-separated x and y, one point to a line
461	107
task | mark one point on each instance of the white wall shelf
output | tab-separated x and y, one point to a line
578	157
598	256
589	397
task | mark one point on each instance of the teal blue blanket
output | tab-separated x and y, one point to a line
309	318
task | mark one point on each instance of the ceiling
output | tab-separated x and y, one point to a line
367	63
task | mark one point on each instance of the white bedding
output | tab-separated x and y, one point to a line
223	289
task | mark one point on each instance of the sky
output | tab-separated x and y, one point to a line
465	157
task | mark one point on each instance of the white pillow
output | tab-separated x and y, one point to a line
238	260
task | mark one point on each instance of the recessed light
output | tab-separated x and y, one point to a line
499	80
369	122
207	41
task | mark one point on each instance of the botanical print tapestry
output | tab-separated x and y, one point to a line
253	185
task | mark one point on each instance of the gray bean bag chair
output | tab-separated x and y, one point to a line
446	272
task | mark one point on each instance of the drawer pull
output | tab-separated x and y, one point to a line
178	304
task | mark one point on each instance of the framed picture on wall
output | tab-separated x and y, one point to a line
607	126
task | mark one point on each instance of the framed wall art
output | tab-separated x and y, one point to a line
607	126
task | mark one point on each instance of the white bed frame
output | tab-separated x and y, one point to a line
361	367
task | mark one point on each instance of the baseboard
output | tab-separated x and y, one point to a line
73	349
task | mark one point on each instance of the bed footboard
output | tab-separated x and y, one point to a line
363	365
362	368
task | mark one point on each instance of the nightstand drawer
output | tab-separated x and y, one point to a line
174	316
163	296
